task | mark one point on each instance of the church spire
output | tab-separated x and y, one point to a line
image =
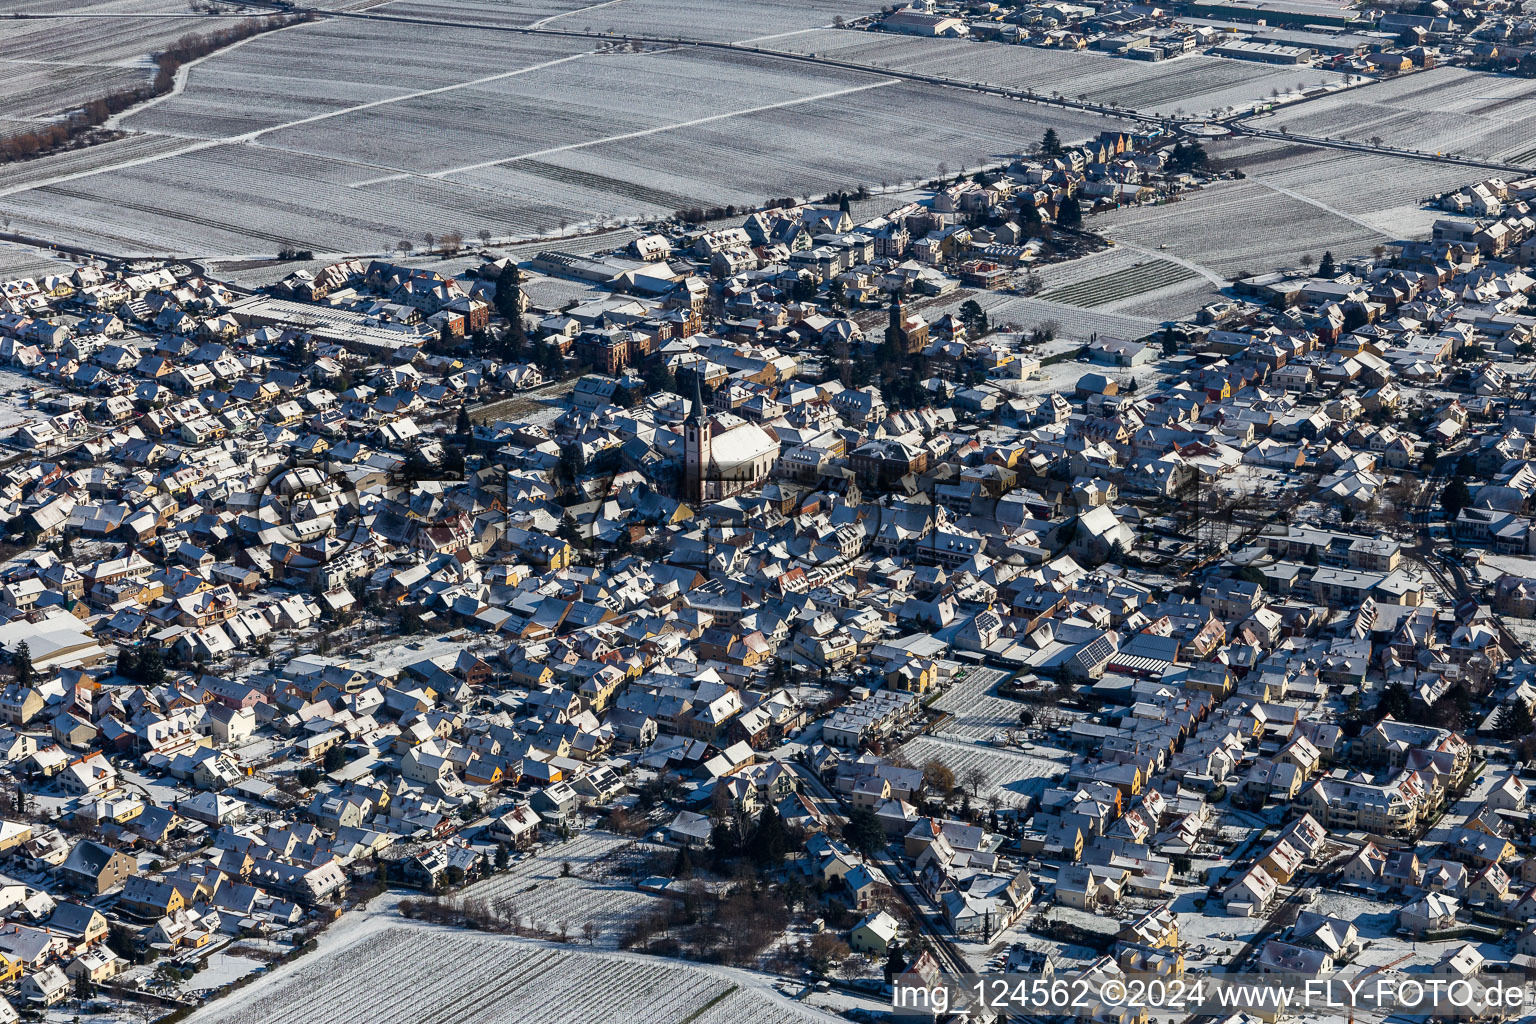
697	409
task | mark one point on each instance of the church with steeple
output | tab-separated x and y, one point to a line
907	335
697	430
723	454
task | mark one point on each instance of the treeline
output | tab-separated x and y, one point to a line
94	113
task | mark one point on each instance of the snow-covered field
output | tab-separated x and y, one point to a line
1386	192
1012	775
383	970
720	20
23	261
1443	110
536	893
1287	208
978	713
337	138
1192	85
69	52
1072	322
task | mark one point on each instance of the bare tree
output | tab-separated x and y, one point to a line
973	778
429	239
937	776
485	236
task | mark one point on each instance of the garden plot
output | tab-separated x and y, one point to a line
1443	110
385	971
1012	776
1195	84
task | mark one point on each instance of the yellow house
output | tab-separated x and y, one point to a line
13	834
10	969
914	676
475	775
600	690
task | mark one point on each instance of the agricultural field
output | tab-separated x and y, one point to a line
1071	321
490	13
1143	276
600	887
1385	192
1157	293
58	54
978	713
1442	110
356	164
1012	775
1238	227
389	971
712	20
24	174
328	67
1196	84
24	261
715	20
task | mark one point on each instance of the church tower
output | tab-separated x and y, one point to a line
696	444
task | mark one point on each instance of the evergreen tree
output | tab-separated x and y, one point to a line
682	865
151	665
770	839
1069	214
1394	701
127	663
842	203
462	425
1514	721
1325	267
1050	142
1455	497
22	659
724	838
509	292
863	831
894	964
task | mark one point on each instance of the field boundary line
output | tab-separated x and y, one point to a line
566	14
1373	229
